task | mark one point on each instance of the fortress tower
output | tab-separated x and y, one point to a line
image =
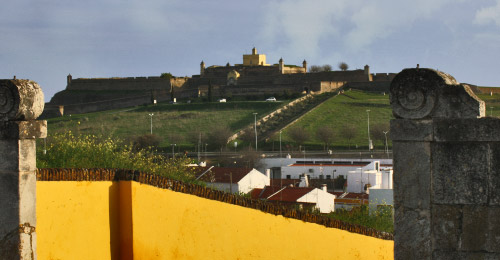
367	73
202	68
281	65
254	59
304	65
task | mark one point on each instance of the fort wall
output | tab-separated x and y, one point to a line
131	83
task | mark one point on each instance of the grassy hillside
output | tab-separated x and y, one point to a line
348	109
179	123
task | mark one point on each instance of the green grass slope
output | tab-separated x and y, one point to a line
177	123
348	109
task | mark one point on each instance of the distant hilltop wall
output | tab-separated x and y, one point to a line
130	83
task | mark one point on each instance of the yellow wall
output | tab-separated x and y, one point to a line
154	223
73	220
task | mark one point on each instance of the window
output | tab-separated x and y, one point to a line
288	176
311	170
328	176
321	176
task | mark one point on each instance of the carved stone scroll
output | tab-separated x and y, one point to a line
426	93
20	100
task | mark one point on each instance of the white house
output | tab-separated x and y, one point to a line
325	170
329	166
382	195
234	180
313	197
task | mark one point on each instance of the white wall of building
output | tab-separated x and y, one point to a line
267	163
327	171
356	180
325	201
253	180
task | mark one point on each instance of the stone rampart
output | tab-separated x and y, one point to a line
446	169
137	83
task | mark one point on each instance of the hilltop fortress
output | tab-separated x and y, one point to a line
254	77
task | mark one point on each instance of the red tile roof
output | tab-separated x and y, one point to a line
222	174
351	195
284	182
255	193
287	194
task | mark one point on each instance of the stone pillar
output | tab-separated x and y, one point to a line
21	102
446	169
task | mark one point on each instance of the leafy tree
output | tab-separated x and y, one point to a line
343	66
166	75
349	132
325	134
219	136
327	67
299	135
146	141
315	68
248	136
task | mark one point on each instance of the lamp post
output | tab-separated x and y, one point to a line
280	144
151	115
386	147
369	141
173	154
255	126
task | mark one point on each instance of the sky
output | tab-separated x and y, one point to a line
45	40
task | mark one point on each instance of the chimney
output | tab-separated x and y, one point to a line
323	186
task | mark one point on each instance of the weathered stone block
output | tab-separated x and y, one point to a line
411	130
412	168
494	167
23	129
460	173
412	234
457	255
27	195
481	229
467	129
446	227
9	194
493	237
17	155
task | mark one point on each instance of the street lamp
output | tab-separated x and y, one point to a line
151	115
386	147
255	126
173	154
369	140
280	144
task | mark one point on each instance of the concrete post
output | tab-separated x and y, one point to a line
446	169
21	102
